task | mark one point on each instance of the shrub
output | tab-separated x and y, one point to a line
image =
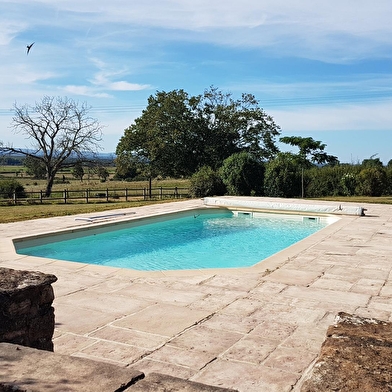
349	183
206	182
324	181
388	171
372	182
282	177
243	175
10	186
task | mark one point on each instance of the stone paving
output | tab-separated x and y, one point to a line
250	329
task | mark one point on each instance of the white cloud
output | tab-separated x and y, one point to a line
28	77
126	86
106	77
8	31
84	90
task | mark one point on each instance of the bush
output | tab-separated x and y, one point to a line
372	182
243	175
206	182
324	181
349	183
10	186
283	177
388	171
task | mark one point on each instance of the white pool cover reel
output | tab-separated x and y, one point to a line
338	209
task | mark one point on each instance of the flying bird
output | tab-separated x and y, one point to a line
29	47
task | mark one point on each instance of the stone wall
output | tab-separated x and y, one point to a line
26	312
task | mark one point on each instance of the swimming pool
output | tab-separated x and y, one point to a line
195	239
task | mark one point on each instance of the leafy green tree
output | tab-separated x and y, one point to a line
372	162
243	175
35	167
102	173
177	134
59	128
78	171
206	182
234	125
310	151
127	166
163	137
283	176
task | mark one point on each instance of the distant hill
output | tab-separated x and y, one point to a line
16	159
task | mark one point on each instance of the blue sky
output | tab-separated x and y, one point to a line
321	68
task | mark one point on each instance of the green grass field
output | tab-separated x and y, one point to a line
14	213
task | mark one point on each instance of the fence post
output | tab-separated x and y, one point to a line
65	196
40	196
86	196
144	193
14	196
160	193
176	193
107	194
126	194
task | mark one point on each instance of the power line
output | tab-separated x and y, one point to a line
290	101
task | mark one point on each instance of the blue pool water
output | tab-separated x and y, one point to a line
197	240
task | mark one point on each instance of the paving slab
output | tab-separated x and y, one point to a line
162	319
293	276
112	333
155	382
246	376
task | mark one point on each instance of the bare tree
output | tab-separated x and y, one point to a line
59	128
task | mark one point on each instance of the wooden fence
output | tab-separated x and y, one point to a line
96	196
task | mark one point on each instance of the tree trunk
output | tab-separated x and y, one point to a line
49	184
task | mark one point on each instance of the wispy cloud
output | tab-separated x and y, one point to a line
85	91
109	77
105	80
9	30
126	86
332	31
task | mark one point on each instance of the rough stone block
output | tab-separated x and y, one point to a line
28	369
26	314
356	356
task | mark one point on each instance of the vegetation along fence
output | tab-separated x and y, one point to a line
95	196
